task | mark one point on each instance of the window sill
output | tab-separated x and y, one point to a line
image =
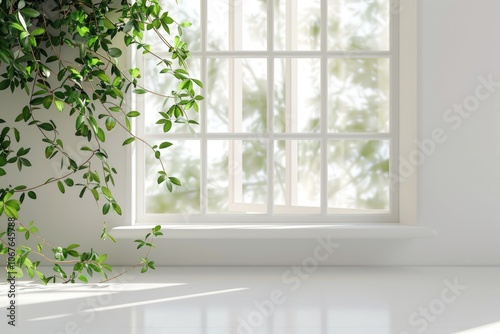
279	231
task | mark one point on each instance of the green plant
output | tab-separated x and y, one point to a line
64	55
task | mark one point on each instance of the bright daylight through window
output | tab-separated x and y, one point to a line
299	121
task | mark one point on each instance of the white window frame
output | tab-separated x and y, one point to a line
405	99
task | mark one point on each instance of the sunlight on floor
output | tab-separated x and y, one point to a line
486	329
259	300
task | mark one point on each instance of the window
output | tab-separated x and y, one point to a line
300	120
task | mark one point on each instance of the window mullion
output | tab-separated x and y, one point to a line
291	104
324	106
235	72
270	108
394	83
291	127
203	110
291	25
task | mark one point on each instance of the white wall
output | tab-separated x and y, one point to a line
458	187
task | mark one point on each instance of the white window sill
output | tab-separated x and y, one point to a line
278	231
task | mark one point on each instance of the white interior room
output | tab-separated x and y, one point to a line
433	268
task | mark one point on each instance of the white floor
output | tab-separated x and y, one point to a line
284	300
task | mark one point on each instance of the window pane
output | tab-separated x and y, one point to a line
297	95
185	11
237	176
297	24
358	95
162	84
297	176
182	160
358	25
217	97
237	95
237	25
358	175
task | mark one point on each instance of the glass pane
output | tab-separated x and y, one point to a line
218	176
237	176
297	25
217	97
358	95
237	95
358	175
297	95
237	25
181	160
164	85
358	25
297	176
185	11
254	93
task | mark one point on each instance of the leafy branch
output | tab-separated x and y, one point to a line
63	55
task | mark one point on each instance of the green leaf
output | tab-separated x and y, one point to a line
168	183
108	24
198	82
102	258
38	32
32	194
105	208
47	101
117	208
24	162
11	211
2	172
94	267
95	193
175	181
82	30
48	151
46	127
165	144
60	185
30	12
17	26
106	192
4	84
167	126
59	104
79	121
115	52
100	135
110	123
17	135
134	72
101	75
133	114
83	278
128	141
165	19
